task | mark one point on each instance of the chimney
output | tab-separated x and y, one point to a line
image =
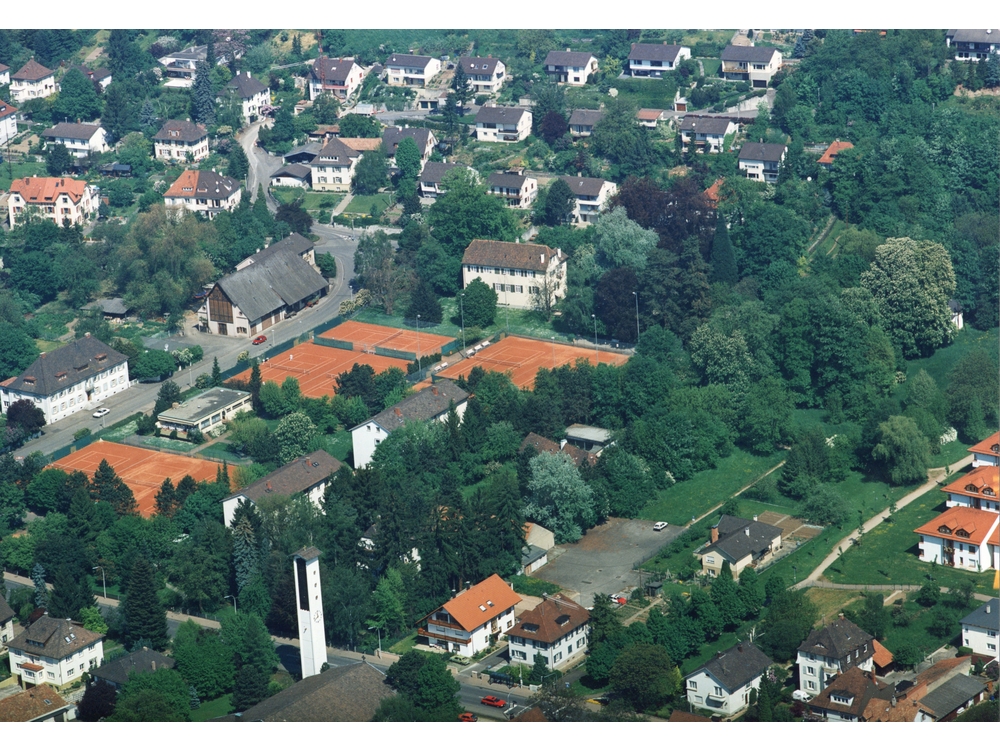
268	485
87	335
434	390
987	609
739	647
746	530
562	443
874	681
841	615
715	534
755	518
152	665
892	701
541	258
397	411
568	49
174	405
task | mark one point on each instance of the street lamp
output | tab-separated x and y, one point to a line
418	341
461	305
506	307
636	295
379	631
104	583
229	596
596	352
553	352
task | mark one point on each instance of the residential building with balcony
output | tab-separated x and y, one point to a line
582	122
761	161
485	74
832	650
755	65
653	60
986	452
32	81
181	68
977	489
4	75
650	118
571	68
706	135
557	628
333	167
54	651
962	537
254	96
80	139
59	199
339	77
741	543
411	70
473	620
392	137
519	272
591	193
429	181
503	124
515	187
203	192
972	44
723	684
180	140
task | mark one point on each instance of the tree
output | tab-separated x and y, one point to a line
466	212
203	94
549	97
614	302
98	701
17	351
153	696
621	241
408	158
92	620
972	386
216	373
77	100
203	660
238	165
622	140
388	611
825	506
166	498
359	126
299	220
152	364
644	676
480	304
553	127
125	57
250	688
245	634
902	450
726	597
766	415
460	82
557	206
560	499
911	283
25	415
424	302
874	618
41	590
751	593
375	262
121	118
929	594
110	488
723	260
371	172
145	617
58	160
70	593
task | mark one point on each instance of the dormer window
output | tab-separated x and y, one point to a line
845	699
562	620
101	357
989	491
944	530
61	375
962	533
531	627
971	488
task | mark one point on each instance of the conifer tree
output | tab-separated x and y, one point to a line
110	488
147	116
202	96
145	617
70	593
246	561
216	373
41	592
239	165
723	259
250	689
254	385
726	598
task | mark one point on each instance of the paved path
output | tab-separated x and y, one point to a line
822	235
934	478
262	165
883	587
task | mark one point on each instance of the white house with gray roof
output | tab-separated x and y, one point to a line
429	181
430	403
254	97
973	44
571	68
653	60
582	121
592	194
723	684
339	77
756	65
707	134
333	167
205	411
830	651
516	188
179	140
485	74
8	122
54	651
739	542
80	139
981	629
69	379
761	161
411	70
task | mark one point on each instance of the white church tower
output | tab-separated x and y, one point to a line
312	630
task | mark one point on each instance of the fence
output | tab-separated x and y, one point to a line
335	343
395	353
88	439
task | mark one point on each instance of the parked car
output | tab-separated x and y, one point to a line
492	700
259	340
660	525
101	412
468	716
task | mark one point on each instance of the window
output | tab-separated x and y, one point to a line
811	684
810	670
718	691
698	699
991	646
557	658
692	685
70	671
579	643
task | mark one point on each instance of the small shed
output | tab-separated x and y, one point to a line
113	308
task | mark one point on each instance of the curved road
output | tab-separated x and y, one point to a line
262	164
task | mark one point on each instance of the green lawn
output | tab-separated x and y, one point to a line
888	554
212	709
47	346
647	92
711	65
916	634
677	504
363	204
403	645
533	586
165	442
29	169
320	201
222	451
939	364
287	195
53	318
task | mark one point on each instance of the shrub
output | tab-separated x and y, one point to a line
81	433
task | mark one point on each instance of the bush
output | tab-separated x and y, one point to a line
81	433
196	437
529	586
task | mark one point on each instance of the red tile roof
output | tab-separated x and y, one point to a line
32	71
712	193
833	149
989	445
482	603
31	704
981	482
975	525
41	190
883	657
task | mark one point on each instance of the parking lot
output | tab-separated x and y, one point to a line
601	562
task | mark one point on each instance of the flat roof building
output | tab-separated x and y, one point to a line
205	411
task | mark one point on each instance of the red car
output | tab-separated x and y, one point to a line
492	700
259	340
468	716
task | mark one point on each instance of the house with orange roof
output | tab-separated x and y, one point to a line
712	192
882	659
977	489
962	537
473	620
650	118
59	199
831	152
986	452
203	191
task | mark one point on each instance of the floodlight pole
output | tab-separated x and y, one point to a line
104	583
596	352
461	305
636	295
418	341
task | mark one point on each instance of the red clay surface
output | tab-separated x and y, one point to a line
317	367
366	336
523	358
143	470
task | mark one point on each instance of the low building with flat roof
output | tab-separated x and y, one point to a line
205	411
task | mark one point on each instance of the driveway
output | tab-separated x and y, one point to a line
601	562
262	165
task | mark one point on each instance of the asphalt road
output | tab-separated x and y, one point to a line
262	164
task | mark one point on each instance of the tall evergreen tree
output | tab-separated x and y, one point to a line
166	498
238	165
70	593
147	116
145	617
108	487
254	385
460	83
41	591
246	561
723	259
216	373
726	598
250	688
202	95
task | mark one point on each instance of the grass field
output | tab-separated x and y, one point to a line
10	172
403	645
165	442
339	444
53	319
711	66
939	364
916	633
363	204
222	451
212	709
47	346
888	554
677	504
831	602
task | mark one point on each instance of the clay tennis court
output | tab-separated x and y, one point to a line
143	470
316	367
366	336
523	358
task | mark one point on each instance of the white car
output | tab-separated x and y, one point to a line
101	412
660	525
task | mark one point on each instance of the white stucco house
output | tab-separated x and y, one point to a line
653	60
32	81
80	139
426	404
723	684
557	629
503	124
521	273
8	122
54	651
411	70
761	161
473	620
592	194
981	629
830	651
72	378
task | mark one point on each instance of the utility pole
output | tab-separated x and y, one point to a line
461	305
636	295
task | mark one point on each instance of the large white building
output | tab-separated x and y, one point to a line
411	70
830	651
80	139
981	629
180	140
485	74
32	81
723	684
557	628
473	620
55	651
521	273
254	96
986	452
58	199
427	404
69	379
